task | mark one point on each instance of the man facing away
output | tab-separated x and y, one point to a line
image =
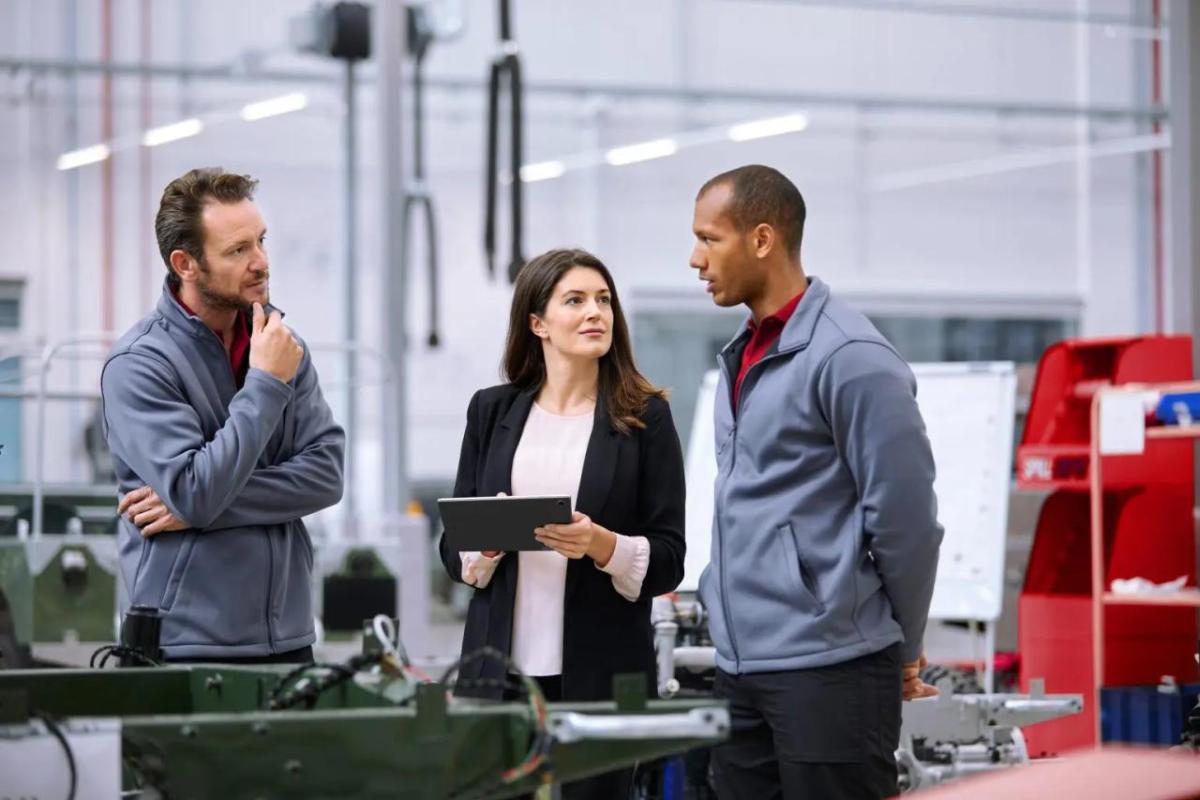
221	440
825	534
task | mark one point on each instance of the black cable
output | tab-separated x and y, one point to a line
505	20
308	693
505	68
432	258
57	731
120	651
516	159
537	759
493	146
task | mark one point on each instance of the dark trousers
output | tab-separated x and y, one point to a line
303	655
826	732
613	785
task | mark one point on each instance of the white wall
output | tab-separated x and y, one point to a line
1012	233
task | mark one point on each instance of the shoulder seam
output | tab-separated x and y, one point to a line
849	341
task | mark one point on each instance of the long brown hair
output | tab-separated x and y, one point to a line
623	389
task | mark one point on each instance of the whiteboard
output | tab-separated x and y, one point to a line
968	410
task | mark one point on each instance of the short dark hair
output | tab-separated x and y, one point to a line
177	224
762	194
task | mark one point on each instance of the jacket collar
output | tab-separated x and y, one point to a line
798	331
169	307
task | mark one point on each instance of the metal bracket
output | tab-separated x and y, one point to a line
699	723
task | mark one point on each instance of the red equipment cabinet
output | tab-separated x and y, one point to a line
1144	528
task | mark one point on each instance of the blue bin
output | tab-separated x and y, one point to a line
1144	714
1170	406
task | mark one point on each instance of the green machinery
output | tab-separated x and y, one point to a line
206	731
64	587
60	587
86	508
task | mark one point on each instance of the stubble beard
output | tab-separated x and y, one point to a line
218	300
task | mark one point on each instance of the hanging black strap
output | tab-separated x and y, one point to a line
516	158
506	69
493	143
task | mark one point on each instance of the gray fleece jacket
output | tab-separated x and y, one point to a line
825	533
240	465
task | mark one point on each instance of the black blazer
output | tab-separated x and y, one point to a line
631	484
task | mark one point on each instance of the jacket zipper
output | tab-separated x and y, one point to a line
737	661
754	367
270	551
270	575
734	411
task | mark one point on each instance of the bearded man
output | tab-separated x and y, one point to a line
221	440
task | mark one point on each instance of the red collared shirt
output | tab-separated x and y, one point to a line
762	339
239	348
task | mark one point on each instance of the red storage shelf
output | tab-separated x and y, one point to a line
1142	645
1145	529
1071	371
1054	451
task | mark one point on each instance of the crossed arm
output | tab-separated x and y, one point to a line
218	483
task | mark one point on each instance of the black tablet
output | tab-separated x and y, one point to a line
500	523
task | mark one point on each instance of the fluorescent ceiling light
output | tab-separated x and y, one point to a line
275	106
1010	162
172	133
643	151
84	156
774	126
542	171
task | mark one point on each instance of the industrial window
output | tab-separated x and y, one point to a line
10	313
10	303
675	348
1023	341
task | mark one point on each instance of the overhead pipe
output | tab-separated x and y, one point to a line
231	73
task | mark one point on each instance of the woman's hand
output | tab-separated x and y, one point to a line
580	538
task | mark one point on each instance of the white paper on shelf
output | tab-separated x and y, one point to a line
1145	586
1122	423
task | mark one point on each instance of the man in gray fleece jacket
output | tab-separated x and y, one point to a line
220	438
825	535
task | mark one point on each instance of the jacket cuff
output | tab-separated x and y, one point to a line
477	568
268	381
628	565
910	652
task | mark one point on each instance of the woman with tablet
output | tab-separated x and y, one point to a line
575	419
